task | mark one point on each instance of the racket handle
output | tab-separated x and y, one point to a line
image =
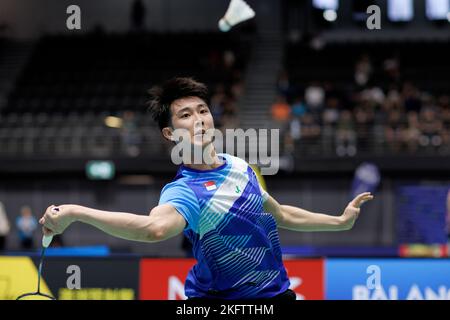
46	240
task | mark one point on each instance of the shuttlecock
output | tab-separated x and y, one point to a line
238	11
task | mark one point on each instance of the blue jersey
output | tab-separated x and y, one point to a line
235	242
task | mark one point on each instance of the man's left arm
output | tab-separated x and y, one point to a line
298	219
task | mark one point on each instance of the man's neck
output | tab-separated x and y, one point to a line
213	162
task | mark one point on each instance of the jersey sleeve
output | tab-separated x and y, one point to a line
264	193
261	183
183	199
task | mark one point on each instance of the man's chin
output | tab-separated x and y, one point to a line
200	141
201	144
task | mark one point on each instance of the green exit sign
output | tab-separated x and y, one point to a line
100	170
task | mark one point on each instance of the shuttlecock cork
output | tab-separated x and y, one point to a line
237	12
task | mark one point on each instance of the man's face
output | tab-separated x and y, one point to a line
193	115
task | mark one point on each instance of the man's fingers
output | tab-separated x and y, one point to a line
48	221
361	198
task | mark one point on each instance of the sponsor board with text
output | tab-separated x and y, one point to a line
387	279
163	279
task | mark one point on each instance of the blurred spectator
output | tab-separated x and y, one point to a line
4	227
331	111
26	225
131	138
345	135
315	97
328	129
329	119
363	125
412	132
393	100
138	16
374	96
394	130
295	129
363	70
281	111
293	135
298	107
431	128
310	132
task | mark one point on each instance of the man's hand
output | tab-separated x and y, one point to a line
352	210
57	218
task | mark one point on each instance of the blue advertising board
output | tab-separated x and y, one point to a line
387	279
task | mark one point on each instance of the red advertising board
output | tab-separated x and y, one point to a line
163	279
307	278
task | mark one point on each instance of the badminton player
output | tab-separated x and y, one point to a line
230	220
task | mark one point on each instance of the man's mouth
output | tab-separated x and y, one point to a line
200	133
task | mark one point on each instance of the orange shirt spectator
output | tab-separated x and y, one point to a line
281	111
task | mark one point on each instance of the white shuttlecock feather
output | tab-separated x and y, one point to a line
238	11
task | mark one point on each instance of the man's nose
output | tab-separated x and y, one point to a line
198	120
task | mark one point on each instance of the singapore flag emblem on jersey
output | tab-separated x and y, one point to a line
210	185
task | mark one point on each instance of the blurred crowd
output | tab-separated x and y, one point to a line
382	114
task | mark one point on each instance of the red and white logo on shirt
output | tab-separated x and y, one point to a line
210	185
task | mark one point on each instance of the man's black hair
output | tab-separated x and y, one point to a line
173	89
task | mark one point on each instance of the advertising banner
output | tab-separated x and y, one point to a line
163	279
387	279
71	278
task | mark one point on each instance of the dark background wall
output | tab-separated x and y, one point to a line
30	19
299	18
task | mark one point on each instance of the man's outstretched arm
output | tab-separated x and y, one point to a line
297	219
162	223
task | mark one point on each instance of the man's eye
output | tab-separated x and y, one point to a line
204	111
185	115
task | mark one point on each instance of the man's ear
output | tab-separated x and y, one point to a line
167	133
